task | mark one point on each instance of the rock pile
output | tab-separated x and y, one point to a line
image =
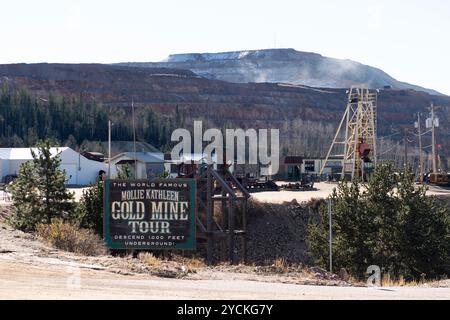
278	231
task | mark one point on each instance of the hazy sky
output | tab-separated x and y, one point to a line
407	39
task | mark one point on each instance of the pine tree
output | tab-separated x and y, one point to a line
55	200
71	142
383	209
89	211
352	232
39	193
126	172
424	244
390	222
25	199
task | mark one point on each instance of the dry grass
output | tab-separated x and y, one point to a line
281	265
388	281
188	265
67	236
193	264
150	259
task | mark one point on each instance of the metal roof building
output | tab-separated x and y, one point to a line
79	170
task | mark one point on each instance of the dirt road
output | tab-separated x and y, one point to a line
58	281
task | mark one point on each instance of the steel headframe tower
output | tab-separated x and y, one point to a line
358	127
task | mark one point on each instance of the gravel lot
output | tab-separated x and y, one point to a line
324	189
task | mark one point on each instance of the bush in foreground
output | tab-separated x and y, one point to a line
89	212
39	193
389	222
67	236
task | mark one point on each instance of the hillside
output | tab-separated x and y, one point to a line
281	65
306	116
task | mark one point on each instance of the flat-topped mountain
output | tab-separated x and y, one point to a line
281	65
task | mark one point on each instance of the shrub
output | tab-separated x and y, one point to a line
192	264
89	212
39	193
126	172
392	224
149	259
280	265
67	236
25	201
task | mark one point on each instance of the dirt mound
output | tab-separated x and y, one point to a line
277	231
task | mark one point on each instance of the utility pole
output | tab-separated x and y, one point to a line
109	149
405	142
330	235
433	139
134	139
420	148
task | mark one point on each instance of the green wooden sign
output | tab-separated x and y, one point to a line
150	214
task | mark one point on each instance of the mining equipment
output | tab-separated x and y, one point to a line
437	176
441	179
306	184
356	134
221	211
256	185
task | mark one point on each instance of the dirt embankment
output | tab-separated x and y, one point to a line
277	231
277	228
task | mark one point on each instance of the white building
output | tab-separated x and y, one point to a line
313	166
79	170
149	165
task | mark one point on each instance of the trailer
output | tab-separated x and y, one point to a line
441	179
261	185
305	184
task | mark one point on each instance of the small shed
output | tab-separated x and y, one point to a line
187	163
290	168
147	165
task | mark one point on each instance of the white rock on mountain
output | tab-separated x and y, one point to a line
281	65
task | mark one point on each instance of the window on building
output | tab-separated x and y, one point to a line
310	166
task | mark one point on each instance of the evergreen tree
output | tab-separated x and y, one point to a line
89	211
389	222
424	243
352	232
16	141
25	199
382	206
32	137
55	200
125	172
71	142
25	119
39	193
